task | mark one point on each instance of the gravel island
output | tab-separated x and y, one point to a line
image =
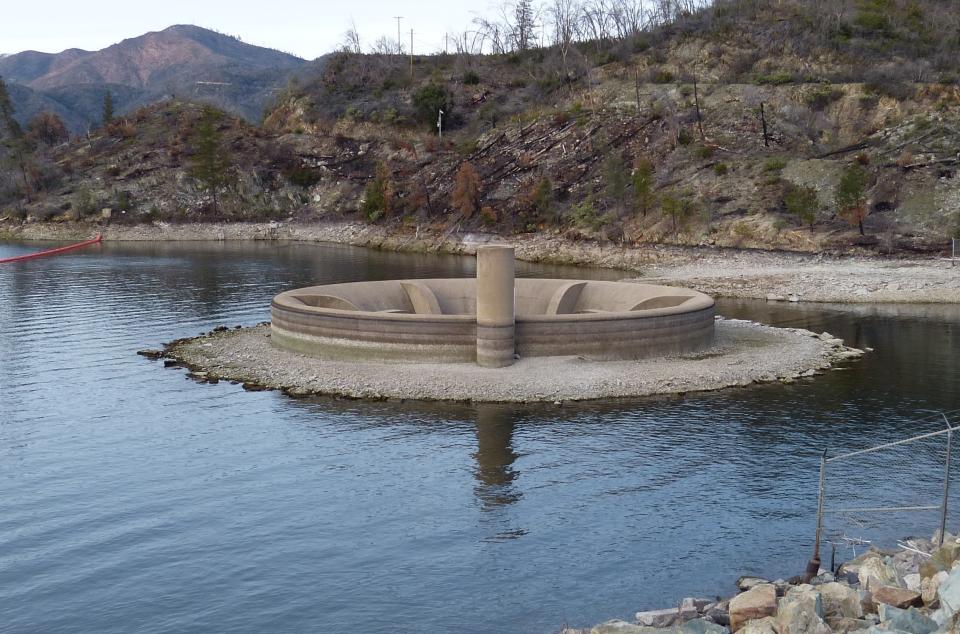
743	353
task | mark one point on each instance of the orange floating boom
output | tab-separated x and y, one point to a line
40	254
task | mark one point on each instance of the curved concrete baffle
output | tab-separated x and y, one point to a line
495	306
488	319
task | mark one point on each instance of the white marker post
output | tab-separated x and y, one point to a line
440	123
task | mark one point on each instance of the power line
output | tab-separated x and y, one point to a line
399	45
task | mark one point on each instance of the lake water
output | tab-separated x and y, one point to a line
132	499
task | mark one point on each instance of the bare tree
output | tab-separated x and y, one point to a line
351	39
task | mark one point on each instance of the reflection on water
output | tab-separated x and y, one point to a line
495	455
133	499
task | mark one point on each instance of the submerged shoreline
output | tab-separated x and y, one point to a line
721	272
743	353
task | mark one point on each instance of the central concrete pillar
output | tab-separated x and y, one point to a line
495	311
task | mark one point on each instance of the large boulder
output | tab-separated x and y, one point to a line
840	600
701	626
845	625
929	587
940	560
910	621
897	597
949	593
658	618
746	582
801	612
757	602
766	625
617	626
875	572
852	567
718	612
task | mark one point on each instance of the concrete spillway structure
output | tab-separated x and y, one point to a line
489	319
496	319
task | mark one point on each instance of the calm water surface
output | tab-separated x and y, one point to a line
132	499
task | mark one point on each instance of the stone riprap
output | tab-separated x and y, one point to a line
828	604
742	353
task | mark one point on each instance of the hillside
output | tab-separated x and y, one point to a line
601	140
182	59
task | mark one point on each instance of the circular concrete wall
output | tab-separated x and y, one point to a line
435	320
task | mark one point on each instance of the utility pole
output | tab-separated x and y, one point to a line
411	56
399	45
446	37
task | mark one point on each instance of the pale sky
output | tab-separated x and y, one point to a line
306	29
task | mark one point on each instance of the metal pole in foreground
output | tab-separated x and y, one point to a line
946	481
813	566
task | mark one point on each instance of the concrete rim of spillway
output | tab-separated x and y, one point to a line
741	353
460	320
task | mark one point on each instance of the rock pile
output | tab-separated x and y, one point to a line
914	590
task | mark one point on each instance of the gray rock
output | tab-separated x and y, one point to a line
617	626
823	577
658	618
845	625
840	600
929	587
747	582
766	625
911	621
912	581
688	609
801	612
949	593
718	612
875	572
756	603
701	626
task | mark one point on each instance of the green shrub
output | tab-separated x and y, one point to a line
684	137
303	176
802	202
776	78
720	169
471	78
705	151
662	77
586	215
821	97
774	164
429	100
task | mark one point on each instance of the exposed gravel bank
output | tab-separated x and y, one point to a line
808	278
718	272
744	353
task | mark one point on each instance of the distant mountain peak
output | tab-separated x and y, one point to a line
141	69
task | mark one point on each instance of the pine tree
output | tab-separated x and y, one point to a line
523	24
851	195
107	108
643	186
211	161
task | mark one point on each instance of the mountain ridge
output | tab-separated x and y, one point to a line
150	66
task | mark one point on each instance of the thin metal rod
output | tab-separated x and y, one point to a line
881	509
889	444
946	480
823	470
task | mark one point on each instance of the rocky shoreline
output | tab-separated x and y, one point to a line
912	590
721	272
743	353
